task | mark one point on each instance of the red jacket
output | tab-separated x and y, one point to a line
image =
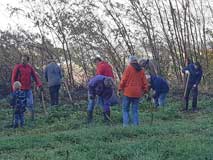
103	68
133	82
24	73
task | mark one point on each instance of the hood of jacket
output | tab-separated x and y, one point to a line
136	66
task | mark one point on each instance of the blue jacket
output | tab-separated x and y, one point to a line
19	101
159	85
96	87
53	74
195	74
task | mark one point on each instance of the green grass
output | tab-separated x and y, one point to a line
63	135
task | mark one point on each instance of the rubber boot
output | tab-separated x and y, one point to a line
106	116
89	116
194	103
15	126
185	109
33	116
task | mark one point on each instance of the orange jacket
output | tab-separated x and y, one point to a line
133	82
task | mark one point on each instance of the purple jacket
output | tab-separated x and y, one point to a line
97	87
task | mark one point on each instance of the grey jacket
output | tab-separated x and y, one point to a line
53	74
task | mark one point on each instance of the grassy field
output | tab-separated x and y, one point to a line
64	135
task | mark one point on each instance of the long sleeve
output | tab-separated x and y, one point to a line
91	90
144	83
185	68
14	75
60	72
36	78
124	79
199	77
45	74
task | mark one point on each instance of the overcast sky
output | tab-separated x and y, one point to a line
6	21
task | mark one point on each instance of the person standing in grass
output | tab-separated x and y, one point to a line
101	86
160	87
53	77
24	73
18	102
195	73
133	85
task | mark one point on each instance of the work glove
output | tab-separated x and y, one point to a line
187	72
194	86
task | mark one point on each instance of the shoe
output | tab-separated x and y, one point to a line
194	110
89	116
107	116
184	110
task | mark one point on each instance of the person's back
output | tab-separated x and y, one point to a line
103	68
97	87
53	74
103	87
159	84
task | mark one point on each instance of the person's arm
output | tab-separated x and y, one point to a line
185	69
60	73
144	86
91	92
46	74
156	86
14	75
36	78
199	77
91	88
124	79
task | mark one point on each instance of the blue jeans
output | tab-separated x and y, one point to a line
127	101
54	94
160	100
91	104
18	117
29	95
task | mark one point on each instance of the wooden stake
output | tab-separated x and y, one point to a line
69	94
43	103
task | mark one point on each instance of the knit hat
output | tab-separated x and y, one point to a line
133	59
17	85
148	76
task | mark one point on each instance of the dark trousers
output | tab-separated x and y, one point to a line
54	94
194	91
